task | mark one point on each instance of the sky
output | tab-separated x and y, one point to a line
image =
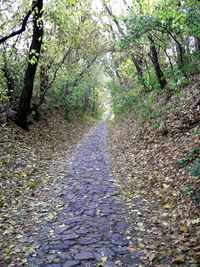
117	5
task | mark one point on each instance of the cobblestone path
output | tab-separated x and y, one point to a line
91	229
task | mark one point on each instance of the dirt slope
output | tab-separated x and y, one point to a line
154	178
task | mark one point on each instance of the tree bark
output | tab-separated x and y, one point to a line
139	70
9	81
34	53
197	44
179	49
44	80
7	74
110	13
154	57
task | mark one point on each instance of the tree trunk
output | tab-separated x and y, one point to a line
178	56
34	53
197	44
44	81
187	45
121	32
139	70
154	57
9	79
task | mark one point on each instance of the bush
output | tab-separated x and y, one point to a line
67	114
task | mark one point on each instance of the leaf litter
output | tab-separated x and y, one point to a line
153	186
31	163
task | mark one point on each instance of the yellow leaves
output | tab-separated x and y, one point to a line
141	245
183	228
33	184
28	250
167	206
51	233
140	227
57	260
153	181
163	201
193	221
118	262
178	259
51	216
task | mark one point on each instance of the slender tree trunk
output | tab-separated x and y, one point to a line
34	53
9	79
43	81
197	44
139	70
187	45
148	71
170	62
116	66
121	32
180	51
178	56
154	57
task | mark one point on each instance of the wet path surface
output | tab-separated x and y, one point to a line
91	228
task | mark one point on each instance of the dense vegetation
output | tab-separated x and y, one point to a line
49	55
58	52
157	49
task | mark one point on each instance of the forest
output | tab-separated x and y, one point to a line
135	64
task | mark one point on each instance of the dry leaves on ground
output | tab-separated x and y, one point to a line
31	163
162	197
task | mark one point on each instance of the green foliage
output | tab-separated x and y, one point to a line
195	169
191	156
68	114
181	163
169	23
69	46
3	95
126	100
192	192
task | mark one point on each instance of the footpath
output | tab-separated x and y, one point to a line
91	228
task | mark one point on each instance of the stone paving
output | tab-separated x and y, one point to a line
91	229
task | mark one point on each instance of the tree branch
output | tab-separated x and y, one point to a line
23	26
54	77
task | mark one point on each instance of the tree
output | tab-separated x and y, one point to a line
23	24
34	54
154	57
134	57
